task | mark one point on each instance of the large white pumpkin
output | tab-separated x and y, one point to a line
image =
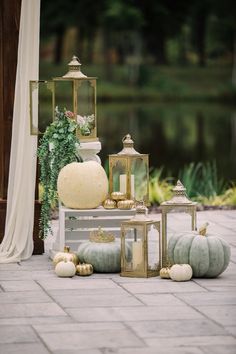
82	185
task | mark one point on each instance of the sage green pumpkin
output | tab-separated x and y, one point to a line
207	254
104	256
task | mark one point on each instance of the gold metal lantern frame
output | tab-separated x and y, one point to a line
129	172
74	91
179	202
140	246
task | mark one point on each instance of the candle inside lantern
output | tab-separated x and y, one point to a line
137	248
123	185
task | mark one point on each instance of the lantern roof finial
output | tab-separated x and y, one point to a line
74	69
179	197
128	146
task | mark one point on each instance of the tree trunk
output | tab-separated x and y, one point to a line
59	45
157	46
107	52
234	62
200	26
200	135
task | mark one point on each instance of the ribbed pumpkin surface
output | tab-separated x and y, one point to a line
104	257
208	255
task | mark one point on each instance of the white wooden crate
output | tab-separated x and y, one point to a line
75	225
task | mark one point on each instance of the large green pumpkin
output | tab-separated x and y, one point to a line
102	251
208	255
104	257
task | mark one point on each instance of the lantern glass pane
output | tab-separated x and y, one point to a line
86	115
140	171
64	95
41	113
153	248
134	240
119	176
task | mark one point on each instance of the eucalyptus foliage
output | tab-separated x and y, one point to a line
57	148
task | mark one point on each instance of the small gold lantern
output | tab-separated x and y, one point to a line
129	172
140	246
179	202
74	91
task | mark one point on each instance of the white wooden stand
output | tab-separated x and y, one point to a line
75	225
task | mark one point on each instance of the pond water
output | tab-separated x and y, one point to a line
173	134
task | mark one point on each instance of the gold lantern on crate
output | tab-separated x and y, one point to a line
74	91
129	173
179	202
140	246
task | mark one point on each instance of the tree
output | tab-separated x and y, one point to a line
199	15
163	19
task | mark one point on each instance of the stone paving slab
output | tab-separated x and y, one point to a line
19	285
82	339
106	313
23	297
219	349
31	310
163	286
159	299
36	320
142	313
175	328
77	283
231	329
102	300
182	341
78	327
163	350
223	315
208	299
24	348
14	334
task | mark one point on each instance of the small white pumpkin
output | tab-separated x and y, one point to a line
65	269
69	256
82	185
181	272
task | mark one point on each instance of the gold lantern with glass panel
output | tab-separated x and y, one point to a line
140	246
74	91
179	202
129	172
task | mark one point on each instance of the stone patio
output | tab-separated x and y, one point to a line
106	313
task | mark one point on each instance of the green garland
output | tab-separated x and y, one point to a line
57	148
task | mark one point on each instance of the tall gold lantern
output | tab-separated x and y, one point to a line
74	91
179	202
140	246
129	172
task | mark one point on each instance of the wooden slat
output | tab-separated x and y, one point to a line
78	235
96	212
94	223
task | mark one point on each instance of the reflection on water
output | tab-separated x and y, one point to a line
173	134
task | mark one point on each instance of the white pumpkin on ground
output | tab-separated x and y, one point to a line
65	269
181	272
82	185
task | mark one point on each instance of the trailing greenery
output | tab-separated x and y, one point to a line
57	148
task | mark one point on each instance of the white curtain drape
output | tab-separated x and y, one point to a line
17	244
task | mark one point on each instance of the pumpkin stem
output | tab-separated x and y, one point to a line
203	229
67	249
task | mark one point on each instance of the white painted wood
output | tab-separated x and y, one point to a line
75	225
